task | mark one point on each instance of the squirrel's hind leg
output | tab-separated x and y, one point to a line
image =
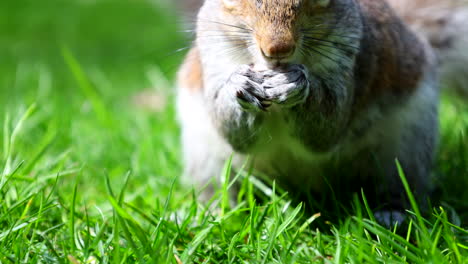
204	151
417	123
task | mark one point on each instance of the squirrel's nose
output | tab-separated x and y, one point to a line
278	50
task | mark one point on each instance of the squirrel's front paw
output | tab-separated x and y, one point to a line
289	87
249	93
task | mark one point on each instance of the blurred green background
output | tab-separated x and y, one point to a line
118	37
81	63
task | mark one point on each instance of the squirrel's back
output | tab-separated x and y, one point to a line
444	23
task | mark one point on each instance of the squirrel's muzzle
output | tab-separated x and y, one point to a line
278	49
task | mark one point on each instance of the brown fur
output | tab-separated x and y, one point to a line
273	22
190	75
390	60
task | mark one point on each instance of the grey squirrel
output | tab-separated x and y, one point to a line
316	92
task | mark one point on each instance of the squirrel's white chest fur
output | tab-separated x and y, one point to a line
283	157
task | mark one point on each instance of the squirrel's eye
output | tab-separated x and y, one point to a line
230	3
323	3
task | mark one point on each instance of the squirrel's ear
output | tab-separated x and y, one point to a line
323	3
230	3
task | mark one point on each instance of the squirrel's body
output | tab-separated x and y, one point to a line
315	91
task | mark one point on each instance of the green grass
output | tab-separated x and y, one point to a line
88	176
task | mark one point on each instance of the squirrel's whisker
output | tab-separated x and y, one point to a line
226	38
214	30
340	58
225	35
337	48
311	38
225	24
312	50
329	34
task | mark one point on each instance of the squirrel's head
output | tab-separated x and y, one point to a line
277	31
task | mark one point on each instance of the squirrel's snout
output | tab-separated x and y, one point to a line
278	50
